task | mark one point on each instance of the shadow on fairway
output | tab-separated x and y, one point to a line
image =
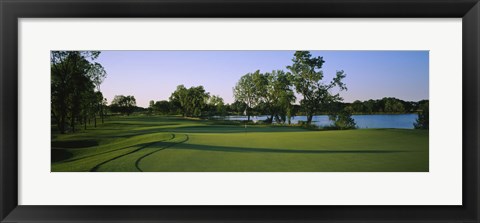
75	143
67	159
234	129
162	143
266	150
130	123
121	133
142	146
60	154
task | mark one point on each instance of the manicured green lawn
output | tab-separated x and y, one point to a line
172	144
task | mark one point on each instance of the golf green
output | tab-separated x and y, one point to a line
174	144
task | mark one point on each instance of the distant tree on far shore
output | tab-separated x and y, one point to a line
386	105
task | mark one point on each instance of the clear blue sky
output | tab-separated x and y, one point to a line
154	75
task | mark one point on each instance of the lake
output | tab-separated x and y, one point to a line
400	121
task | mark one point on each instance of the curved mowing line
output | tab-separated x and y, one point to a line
95	168
84	157
137	163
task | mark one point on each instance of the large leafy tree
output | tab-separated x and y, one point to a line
191	101
237	107
164	107
99	106
246	91
198	99
124	104
307	78
74	77
216	105
179	99
97	74
279	96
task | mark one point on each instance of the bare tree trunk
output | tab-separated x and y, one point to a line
101	114
72	123
62	124
309	119
95	120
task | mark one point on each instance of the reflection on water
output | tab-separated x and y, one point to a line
401	121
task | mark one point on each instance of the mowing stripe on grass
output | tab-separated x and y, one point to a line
148	154
95	168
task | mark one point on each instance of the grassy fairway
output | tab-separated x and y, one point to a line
174	144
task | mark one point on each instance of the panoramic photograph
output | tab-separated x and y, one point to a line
239	111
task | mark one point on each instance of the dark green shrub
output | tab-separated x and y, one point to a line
422	120
343	120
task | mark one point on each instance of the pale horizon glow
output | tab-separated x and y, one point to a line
154	75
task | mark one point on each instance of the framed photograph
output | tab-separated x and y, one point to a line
255	111
240	119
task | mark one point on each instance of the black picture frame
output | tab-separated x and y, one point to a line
11	11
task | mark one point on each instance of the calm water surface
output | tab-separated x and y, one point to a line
401	121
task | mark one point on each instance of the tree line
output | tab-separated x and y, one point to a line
124	104
76	98
190	102
271	93
387	105
275	91
219	108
